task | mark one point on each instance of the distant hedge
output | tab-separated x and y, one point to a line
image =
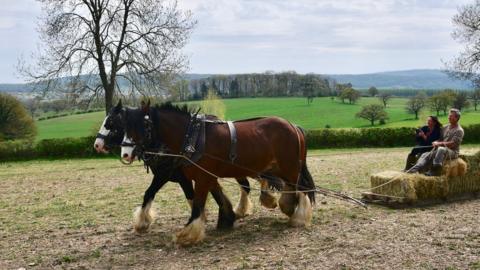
374	137
48	149
316	139
357	137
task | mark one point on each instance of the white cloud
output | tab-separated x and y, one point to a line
293	30
328	36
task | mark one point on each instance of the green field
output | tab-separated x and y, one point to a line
77	125
322	112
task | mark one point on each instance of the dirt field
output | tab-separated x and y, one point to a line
76	214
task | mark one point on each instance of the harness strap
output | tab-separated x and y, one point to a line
233	141
128	144
101	136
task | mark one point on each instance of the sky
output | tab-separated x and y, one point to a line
319	36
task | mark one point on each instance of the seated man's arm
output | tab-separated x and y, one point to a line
453	143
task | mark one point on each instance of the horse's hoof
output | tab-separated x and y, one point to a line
143	218
141	229
226	221
191	234
268	200
302	216
244	208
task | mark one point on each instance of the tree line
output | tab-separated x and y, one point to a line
268	84
438	103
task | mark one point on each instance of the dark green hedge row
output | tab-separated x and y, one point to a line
356	137
373	137
319	138
48	149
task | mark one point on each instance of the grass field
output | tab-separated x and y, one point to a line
50	219
322	112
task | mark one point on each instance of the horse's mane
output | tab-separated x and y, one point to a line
184	109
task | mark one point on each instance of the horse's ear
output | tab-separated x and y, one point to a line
119	105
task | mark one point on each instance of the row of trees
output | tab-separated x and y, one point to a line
439	103
268	84
442	101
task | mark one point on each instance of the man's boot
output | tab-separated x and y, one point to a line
436	170
416	168
411	160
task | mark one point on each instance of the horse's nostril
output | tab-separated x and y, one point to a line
125	155
96	145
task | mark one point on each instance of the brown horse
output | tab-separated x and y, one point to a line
266	146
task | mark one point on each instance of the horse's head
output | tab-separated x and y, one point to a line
138	129
111	131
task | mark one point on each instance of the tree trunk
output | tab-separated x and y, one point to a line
108	98
372	121
416	115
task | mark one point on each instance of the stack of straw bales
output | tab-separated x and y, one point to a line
460	177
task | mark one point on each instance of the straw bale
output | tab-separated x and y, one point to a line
455	167
411	187
456	180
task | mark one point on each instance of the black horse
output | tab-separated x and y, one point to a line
266	147
111	134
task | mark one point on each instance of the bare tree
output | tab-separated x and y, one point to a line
97	43
467	31
384	98
475	96
416	104
461	101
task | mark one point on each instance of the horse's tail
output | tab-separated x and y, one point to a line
306	183
274	183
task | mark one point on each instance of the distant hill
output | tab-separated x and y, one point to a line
15	87
407	79
21	88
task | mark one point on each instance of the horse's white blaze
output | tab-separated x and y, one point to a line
127	151
143	217
244	206
302	216
192	233
99	143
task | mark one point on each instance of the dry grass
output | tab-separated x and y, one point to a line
77	214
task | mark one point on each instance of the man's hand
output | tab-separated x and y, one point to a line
437	144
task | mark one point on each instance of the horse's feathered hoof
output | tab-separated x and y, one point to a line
244	207
268	200
143	218
191	234
302	216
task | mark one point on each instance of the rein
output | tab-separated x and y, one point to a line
323	191
142	155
